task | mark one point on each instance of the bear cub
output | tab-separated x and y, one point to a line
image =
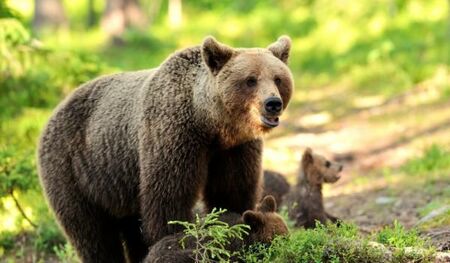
276	185
265	224
305	201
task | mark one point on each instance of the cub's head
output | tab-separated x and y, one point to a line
318	170
265	224
255	84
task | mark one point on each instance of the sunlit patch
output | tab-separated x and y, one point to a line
232	28
315	119
282	159
8	220
368	101
23	7
175	15
377	24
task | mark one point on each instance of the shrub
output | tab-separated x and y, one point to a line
34	76
211	236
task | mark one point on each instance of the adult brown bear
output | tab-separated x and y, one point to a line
134	150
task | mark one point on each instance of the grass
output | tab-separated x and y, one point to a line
435	159
344	244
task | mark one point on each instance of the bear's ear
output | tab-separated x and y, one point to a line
268	204
307	158
281	48
253	219
215	54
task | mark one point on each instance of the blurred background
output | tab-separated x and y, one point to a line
372	91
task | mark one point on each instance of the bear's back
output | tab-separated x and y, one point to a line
96	128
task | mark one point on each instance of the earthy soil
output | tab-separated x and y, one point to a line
368	141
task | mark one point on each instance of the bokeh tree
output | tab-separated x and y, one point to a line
122	14
49	13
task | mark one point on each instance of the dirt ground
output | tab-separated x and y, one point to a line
369	140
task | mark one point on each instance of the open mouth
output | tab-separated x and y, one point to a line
270	122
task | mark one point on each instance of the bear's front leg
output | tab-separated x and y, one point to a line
234	178
172	171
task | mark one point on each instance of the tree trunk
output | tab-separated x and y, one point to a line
48	13
91	14
120	14
154	7
133	14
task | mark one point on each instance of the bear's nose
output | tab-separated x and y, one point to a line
273	105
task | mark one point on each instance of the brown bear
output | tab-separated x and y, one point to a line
305	201
131	151
265	224
275	184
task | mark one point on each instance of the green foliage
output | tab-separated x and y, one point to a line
33	76
48	235
7	240
380	78
6	11
436	158
398	237
15	43
331	243
401	241
324	244
17	171
211	236
66	253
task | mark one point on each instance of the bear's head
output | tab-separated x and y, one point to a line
254	85
265	224
317	169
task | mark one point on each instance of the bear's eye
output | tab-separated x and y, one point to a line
327	164
251	81
277	81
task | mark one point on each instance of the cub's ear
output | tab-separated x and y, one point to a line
253	219
281	48
215	54
268	204
307	158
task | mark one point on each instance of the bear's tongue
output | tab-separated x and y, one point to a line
270	122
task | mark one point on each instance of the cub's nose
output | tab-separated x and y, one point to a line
273	105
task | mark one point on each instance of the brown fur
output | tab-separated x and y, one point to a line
275	184
265	224
140	147
305	201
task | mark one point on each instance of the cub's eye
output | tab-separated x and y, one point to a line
251	81
327	164
277	81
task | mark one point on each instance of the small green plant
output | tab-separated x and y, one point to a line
211	236
66	253
406	245
397	236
